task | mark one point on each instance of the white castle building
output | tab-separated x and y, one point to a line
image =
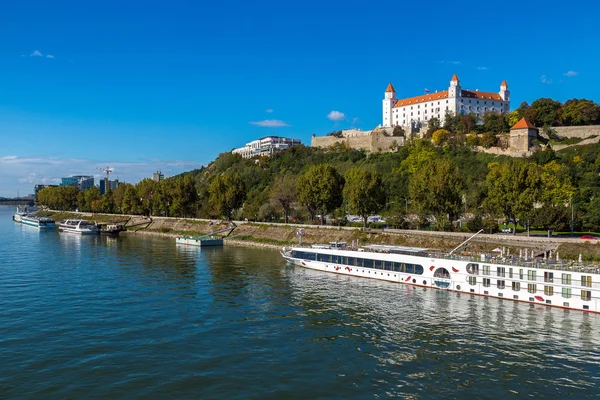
265	146
420	109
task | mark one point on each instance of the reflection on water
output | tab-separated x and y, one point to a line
138	316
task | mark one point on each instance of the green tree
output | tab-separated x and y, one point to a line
145	190
320	190
580	112
475	224
227	193
436	191
118	195
432	125
472	139
131	201
513	118
107	205
440	137
546	112
183	197
284	192
89	197
398	131
364	192
495	122
487	140
513	189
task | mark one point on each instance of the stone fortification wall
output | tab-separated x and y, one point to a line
576	131
503	152
381	143
374	142
347	133
357	142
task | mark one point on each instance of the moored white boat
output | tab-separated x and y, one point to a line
201	241
547	282
22	211
79	226
38	222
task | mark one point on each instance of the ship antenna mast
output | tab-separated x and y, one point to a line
465	242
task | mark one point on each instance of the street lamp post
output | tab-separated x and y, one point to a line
572	224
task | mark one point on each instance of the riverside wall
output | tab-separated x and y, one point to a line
277	235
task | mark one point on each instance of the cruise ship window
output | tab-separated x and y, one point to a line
549	290
566	293
486	282
516	286
586	281
586	295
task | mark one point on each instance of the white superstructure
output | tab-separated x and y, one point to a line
79	226
529	280
458	101
38	222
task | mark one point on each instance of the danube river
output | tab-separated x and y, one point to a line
140	317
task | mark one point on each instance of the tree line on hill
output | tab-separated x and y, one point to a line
420	184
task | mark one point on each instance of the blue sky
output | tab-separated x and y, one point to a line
140	86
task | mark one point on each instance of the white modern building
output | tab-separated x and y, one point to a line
420	109
265	146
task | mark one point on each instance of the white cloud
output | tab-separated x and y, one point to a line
482	68
36	53
269	110
20	174
270	123
355	120
544	79
49	56
571	73
453	62
336	115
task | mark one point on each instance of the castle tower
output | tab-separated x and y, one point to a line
454	89
504	93
389	101
522	135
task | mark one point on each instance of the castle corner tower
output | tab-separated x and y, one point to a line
389	101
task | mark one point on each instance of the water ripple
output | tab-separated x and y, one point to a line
139	317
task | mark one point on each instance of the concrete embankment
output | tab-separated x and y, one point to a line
275	235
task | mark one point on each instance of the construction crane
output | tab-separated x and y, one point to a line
108	171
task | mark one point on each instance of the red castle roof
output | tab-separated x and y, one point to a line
523	124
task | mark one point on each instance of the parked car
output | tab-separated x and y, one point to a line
589	237
507	230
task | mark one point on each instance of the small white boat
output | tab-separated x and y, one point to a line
201	241
38	222
79	226
22	211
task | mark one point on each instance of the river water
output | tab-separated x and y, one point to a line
140	317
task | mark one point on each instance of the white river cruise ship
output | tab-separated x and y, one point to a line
532	280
